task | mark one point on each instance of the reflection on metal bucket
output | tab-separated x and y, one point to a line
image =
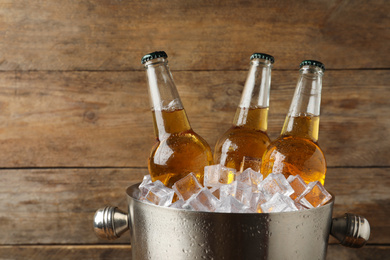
166	233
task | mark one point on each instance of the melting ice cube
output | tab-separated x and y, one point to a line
275	183
314	196
250	177
187	186
217	175
158	194
258	198
279	203
202	201
240	191
146	180
298	184
178	204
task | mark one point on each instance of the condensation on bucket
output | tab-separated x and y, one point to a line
167	233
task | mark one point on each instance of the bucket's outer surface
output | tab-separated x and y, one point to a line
175	234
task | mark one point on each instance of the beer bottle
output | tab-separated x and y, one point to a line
179	150
296	151
248	134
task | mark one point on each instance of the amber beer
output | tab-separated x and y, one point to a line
249	139
296	151
248	134
179	150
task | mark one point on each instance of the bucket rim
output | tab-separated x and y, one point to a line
132	191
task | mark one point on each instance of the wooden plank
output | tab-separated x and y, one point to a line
367	252
66	252
97	119
56	206
114	35
123	252
364	192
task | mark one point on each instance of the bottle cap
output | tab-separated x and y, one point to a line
153	55
313	63
263	56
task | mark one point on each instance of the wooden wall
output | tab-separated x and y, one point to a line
75	124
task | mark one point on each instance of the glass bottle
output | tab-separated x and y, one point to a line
296	151
248	134
179	150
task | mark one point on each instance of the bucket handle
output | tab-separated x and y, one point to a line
351	230
110	223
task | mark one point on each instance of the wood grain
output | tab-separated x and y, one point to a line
363	192
56	206
123	252
364	253
98	119
67	252
75	123
198	35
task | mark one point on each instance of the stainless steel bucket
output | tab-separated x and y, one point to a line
166	233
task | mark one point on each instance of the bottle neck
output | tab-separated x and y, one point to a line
252	111
303	117
168	113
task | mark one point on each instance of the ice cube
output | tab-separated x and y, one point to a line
158	194
298	185
215	191
146	180
314	196
275	183
250	177
257	199
187	186
250	162
300	206
240	191
217	175
202	201
178	204
278	203
232	205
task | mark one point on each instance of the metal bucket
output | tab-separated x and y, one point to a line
167	233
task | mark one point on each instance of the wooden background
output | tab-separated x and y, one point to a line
75	123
